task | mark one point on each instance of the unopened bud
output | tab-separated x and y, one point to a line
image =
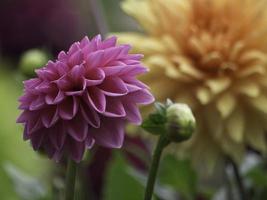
180	123
31	60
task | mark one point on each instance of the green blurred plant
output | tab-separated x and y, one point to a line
33	59
12	148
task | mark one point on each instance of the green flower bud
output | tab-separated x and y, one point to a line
31	60
180	123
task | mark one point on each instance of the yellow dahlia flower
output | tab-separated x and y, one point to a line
212	55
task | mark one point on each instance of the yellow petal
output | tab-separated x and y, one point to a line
254	133
203	95
142	43
213	122
218	85
164	63
226	104
235	125
236	50
142	11
252	56
186	97
187	68
171	44
249	88
235	150
260	103
162	89
196	46
251	70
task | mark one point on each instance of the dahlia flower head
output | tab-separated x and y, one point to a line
211	55
83	98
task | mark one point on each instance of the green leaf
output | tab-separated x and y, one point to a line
160	108
119	183
25	186
258	176
180	175
155	124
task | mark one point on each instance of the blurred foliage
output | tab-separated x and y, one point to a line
117	20
26	187
119	183
12	147
179	175
176	178
257	177
32	60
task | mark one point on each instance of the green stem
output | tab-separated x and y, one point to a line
86	183
70	180
229	191
162	143
239	181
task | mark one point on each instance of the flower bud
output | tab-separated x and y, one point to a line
180	123
31	60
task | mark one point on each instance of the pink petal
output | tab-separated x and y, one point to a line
85	41
132	88
134	81
110	42
62	56
49	148
89	142
134	70
114	108
94	59
94	77
96	41
74	48
62	68
133	113
77	73
134	57
31	83
57	135
26	135
68	108
113	70
96	98
46	74
24	116
113	87
38	138
76	58
112	54
110	134
54	98
141	97
77	128
49	116
76	150
90	115
44	87
63	83
34	124
38	103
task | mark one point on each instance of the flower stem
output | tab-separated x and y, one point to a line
162	143
229	191
70	180
239	180
98	14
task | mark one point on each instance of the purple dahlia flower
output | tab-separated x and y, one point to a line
86	96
